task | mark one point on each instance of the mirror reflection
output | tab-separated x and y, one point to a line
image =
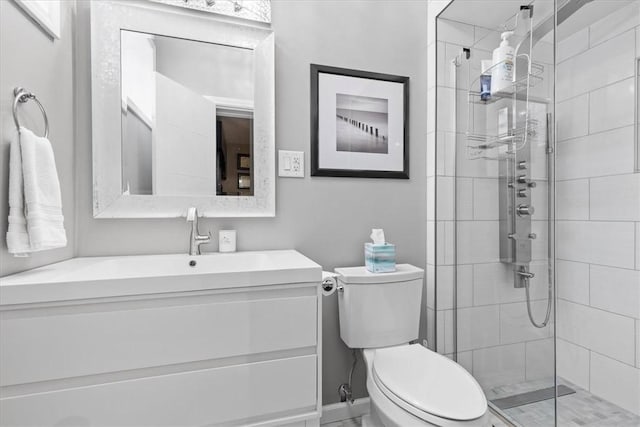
187	117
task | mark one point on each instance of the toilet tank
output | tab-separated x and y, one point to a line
379	309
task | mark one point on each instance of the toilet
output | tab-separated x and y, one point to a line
408	384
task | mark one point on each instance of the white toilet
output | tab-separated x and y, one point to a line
408	384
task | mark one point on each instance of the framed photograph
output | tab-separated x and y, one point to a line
45	12
359	123
244	161
244	181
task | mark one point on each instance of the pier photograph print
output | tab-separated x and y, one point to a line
362	125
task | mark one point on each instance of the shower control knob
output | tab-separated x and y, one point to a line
522	165
522	179
525	210
522	192
531	184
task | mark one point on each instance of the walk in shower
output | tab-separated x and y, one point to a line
538	196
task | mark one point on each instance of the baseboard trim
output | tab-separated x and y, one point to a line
344	410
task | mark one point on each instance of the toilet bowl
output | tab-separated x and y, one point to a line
409	385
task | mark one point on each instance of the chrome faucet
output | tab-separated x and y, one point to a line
195	238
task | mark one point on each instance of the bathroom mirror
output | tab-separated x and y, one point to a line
183	113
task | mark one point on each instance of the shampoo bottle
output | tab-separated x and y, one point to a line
502	73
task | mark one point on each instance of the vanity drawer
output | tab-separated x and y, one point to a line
48	343
205	397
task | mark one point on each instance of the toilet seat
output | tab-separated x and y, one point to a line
427	384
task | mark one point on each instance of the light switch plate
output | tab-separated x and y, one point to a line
291	164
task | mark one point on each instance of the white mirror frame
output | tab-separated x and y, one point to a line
107	19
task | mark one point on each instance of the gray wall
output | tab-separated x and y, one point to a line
327	219
30	58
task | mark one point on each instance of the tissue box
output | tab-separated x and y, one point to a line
380	258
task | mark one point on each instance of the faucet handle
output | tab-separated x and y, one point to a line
192	214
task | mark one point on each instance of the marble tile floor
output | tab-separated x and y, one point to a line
574	410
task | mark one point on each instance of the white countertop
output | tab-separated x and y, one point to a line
98	277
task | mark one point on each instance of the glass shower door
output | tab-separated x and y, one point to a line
598	212
504	318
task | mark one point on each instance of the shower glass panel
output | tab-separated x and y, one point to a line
598	213
538	195
504	280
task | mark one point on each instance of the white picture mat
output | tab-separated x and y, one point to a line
328	157
45	12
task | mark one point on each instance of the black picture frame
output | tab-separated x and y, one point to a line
359	171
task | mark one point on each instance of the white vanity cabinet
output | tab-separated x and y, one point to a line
198	349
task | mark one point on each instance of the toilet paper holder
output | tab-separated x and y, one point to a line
330	283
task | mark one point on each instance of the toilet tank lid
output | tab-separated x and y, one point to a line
360	275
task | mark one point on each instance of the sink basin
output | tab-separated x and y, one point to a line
99	277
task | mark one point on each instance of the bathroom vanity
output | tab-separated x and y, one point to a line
162	340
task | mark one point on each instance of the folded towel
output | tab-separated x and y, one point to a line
35	204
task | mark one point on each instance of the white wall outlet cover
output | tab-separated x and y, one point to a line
291	164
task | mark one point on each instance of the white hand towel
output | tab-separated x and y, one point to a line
34	182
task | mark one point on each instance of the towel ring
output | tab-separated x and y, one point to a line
22	95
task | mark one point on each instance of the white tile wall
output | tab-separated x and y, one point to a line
465	201
493	284
618	22
478	242
637	343
445	207
539	359
431	207
446	109
573	117
515	325
500	365
615	381
446	283
604	243
431	332
465	359
572	199
616	290
615	198
601	331
606	153
572	281
449	332
478	327
446	154
637	245
612	106
573	363
446	243
431	159
570	46
430	279
597	67
485	199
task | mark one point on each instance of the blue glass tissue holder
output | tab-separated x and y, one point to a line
380	258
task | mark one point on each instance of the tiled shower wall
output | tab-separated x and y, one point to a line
598	209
